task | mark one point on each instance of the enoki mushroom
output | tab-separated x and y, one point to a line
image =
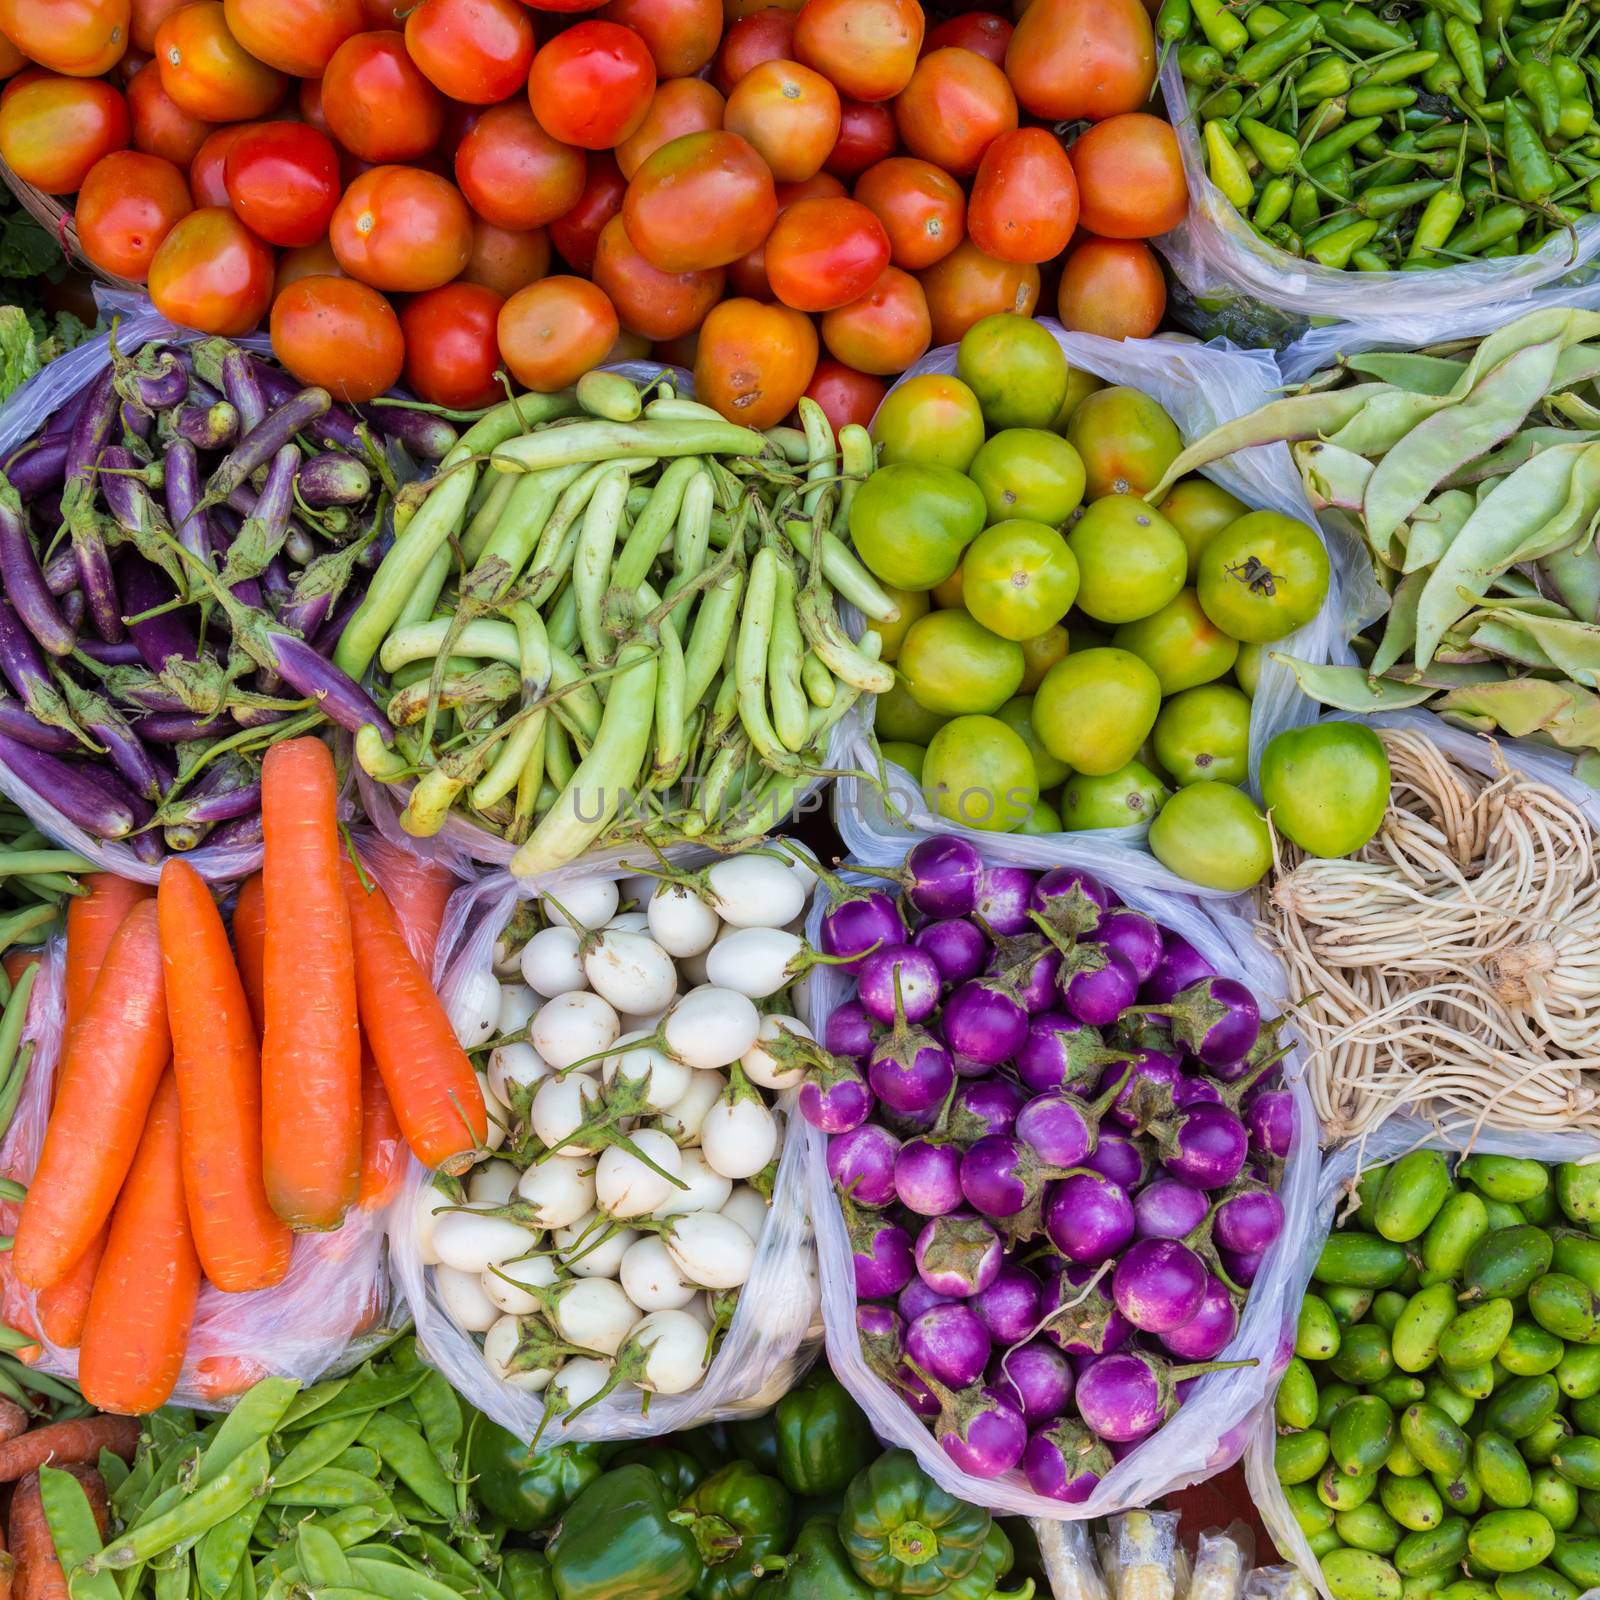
1454	964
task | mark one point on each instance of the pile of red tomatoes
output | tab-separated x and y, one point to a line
790	198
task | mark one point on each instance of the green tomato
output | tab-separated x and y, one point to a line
1263	576
906	755
1247	668
1199	509
1212	834
1019	578
955	666
1040	653
1203	734
1029	473
1126	440
913	603
899	719
1044	818
1017	714
1326	786
978	772
1130	559
1016	369
1094	709
1126	798
1179	643
932	419
910	523
1079	385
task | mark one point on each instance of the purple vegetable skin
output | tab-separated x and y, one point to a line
914	971
1088	1217
942	877
1038	1378
1216	1019
1159	1284
982	1430
1167	1209
1248	1222
90	437
984	1021
983	1106
1004	895
425	436
881	1252
1269	1114
927	1177
1061	1128
1121	1159
24	581
1152	1069
333	479
242	834
158	638
917	1297
862	1163
1061	1052
212	427
1135	937
949	1343
1180	966
1205	1145
38	467
1124	1396
859	921
849	1031
910	1071
1081	1317
957	946
835	1097
1071	900
88	797
1210	1330
1009	1307
17	723
958	1255
1096	984
1066	1462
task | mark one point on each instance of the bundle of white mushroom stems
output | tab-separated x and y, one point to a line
1453	964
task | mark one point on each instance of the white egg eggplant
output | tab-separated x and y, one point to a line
739	1134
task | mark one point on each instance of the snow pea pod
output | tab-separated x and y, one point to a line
229	1492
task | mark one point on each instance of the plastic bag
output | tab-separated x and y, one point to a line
1140	1555
1340	1171
1278	1583
1068	1559
1210	1430
764	1351
1236	284
1221	1563
1201	387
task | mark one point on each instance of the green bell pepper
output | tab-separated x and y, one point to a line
738	1517
676	1470
903	1533
755	1439
823	1438
528	1489
620	1541
994	1562
525	1575
818	1568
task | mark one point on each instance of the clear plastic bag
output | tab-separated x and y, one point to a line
1237	284
1201	387
1140	1555
1210	1429
1221	1563
1068	1557
1278	1583
1340	1170
765	1349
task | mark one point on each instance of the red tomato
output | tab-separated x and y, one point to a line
29	74
1130	177
82	38
1024	203
378	104
762	36
211	273
885	330
981	32
656	305
54	129
701	201
921	207
554	331
844	394
310	261
339	335
1071	59
478	51
753	362
12	59
283	180
401	229
452	352
1112	287
678	352
681	35
737	10
126	206
506	261
309	99
122	73
748	275
207	181
955	106
867	135
513	173
967	286
145	18
679	106
208	72
386	13
789	113
591	85
576	234
295	36
825	253
866	47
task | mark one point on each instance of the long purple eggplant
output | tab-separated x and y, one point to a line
182	727
238	835
425	436
336	429
227	788
25	671
38	467
264	530
123	653
319	588
161	637
243	388
207	428
89	438
136	421
248	716
140	688
123	746
156	378
275	582
90	798
16	722
333	479
73	611
61	575
136	513
189	525
257	447
332	631
224	529
65	418
24	581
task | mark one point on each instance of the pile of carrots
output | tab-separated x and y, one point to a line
215	1098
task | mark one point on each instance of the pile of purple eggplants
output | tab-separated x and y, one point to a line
1056	1135
181	546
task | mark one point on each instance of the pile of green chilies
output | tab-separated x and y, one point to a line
1410	136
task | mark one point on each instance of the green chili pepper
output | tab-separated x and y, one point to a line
1365	260
1397	197
1221	103
1226	167
1339	176
1449	138
1533	173
1497	14
1262	20
1357	28
1373	100
1372	148
1438	218
1220	26
1329	225
1538	83
1397	68
1464	46
1498	223
619	1537
1304	208
1173	20
1277	151
1277	50
1273	202
1200	64
1321	151
1462	10
1322	80
1593	194
1336	248
1444	74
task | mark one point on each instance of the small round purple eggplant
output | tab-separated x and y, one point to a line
949	1343
1152	1070
1071	900
1167	1209
958	1255
910	1071
942	876
849	1031
1004	899
1002	1176
1180	966
1061	1053
1029	966
835	1097
983	1106
862	1161
1158	1284
957	946
983	1021
1193	1090
914	971
1080	1317
1123	1159
1210	1330
1242	1269
881	1253
1126	1395
1135	937
1037	1377
917	1297
1248	1222
1096	984
927	1177
858	922
981	1430
1269	1115
1009	1307
1089	1218
1065	1462
1063	1128
1205	1145
1217	1020
912	1124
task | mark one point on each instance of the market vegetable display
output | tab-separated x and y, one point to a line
1438	1423
1420	138
1054	1133
658	660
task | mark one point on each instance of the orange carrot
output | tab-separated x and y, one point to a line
13	1423
62	1444
91	921
149	1279
311	1044
241	1242
18	960
16	1309
430	1081
382	1147
64	1305
115	1058
249	943
37	1574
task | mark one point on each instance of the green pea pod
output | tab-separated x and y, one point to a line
1578	1191
74	1533
1505	1263
233	1488
1517	1408
1461	1221
1415	1341
1578	1372
1357	1260
1510	1541
1296	1402
1578	1460
1299	1457
1554	1498
1501	1471
1442	1545
1317	1335
1509	1178
1534	175
1434	1438
1343	1491
1565	1307
1530	1350
1360	1437
1413	1502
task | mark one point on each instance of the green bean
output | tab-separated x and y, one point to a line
820	685
670	711
821	452
31	919
655	522
750	662
857	458
406	1453
609	441
232	1489
591	564
850	580
677	409
512	757
24	863
609	395
784	651
495	492
483	638
692	537
713	628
